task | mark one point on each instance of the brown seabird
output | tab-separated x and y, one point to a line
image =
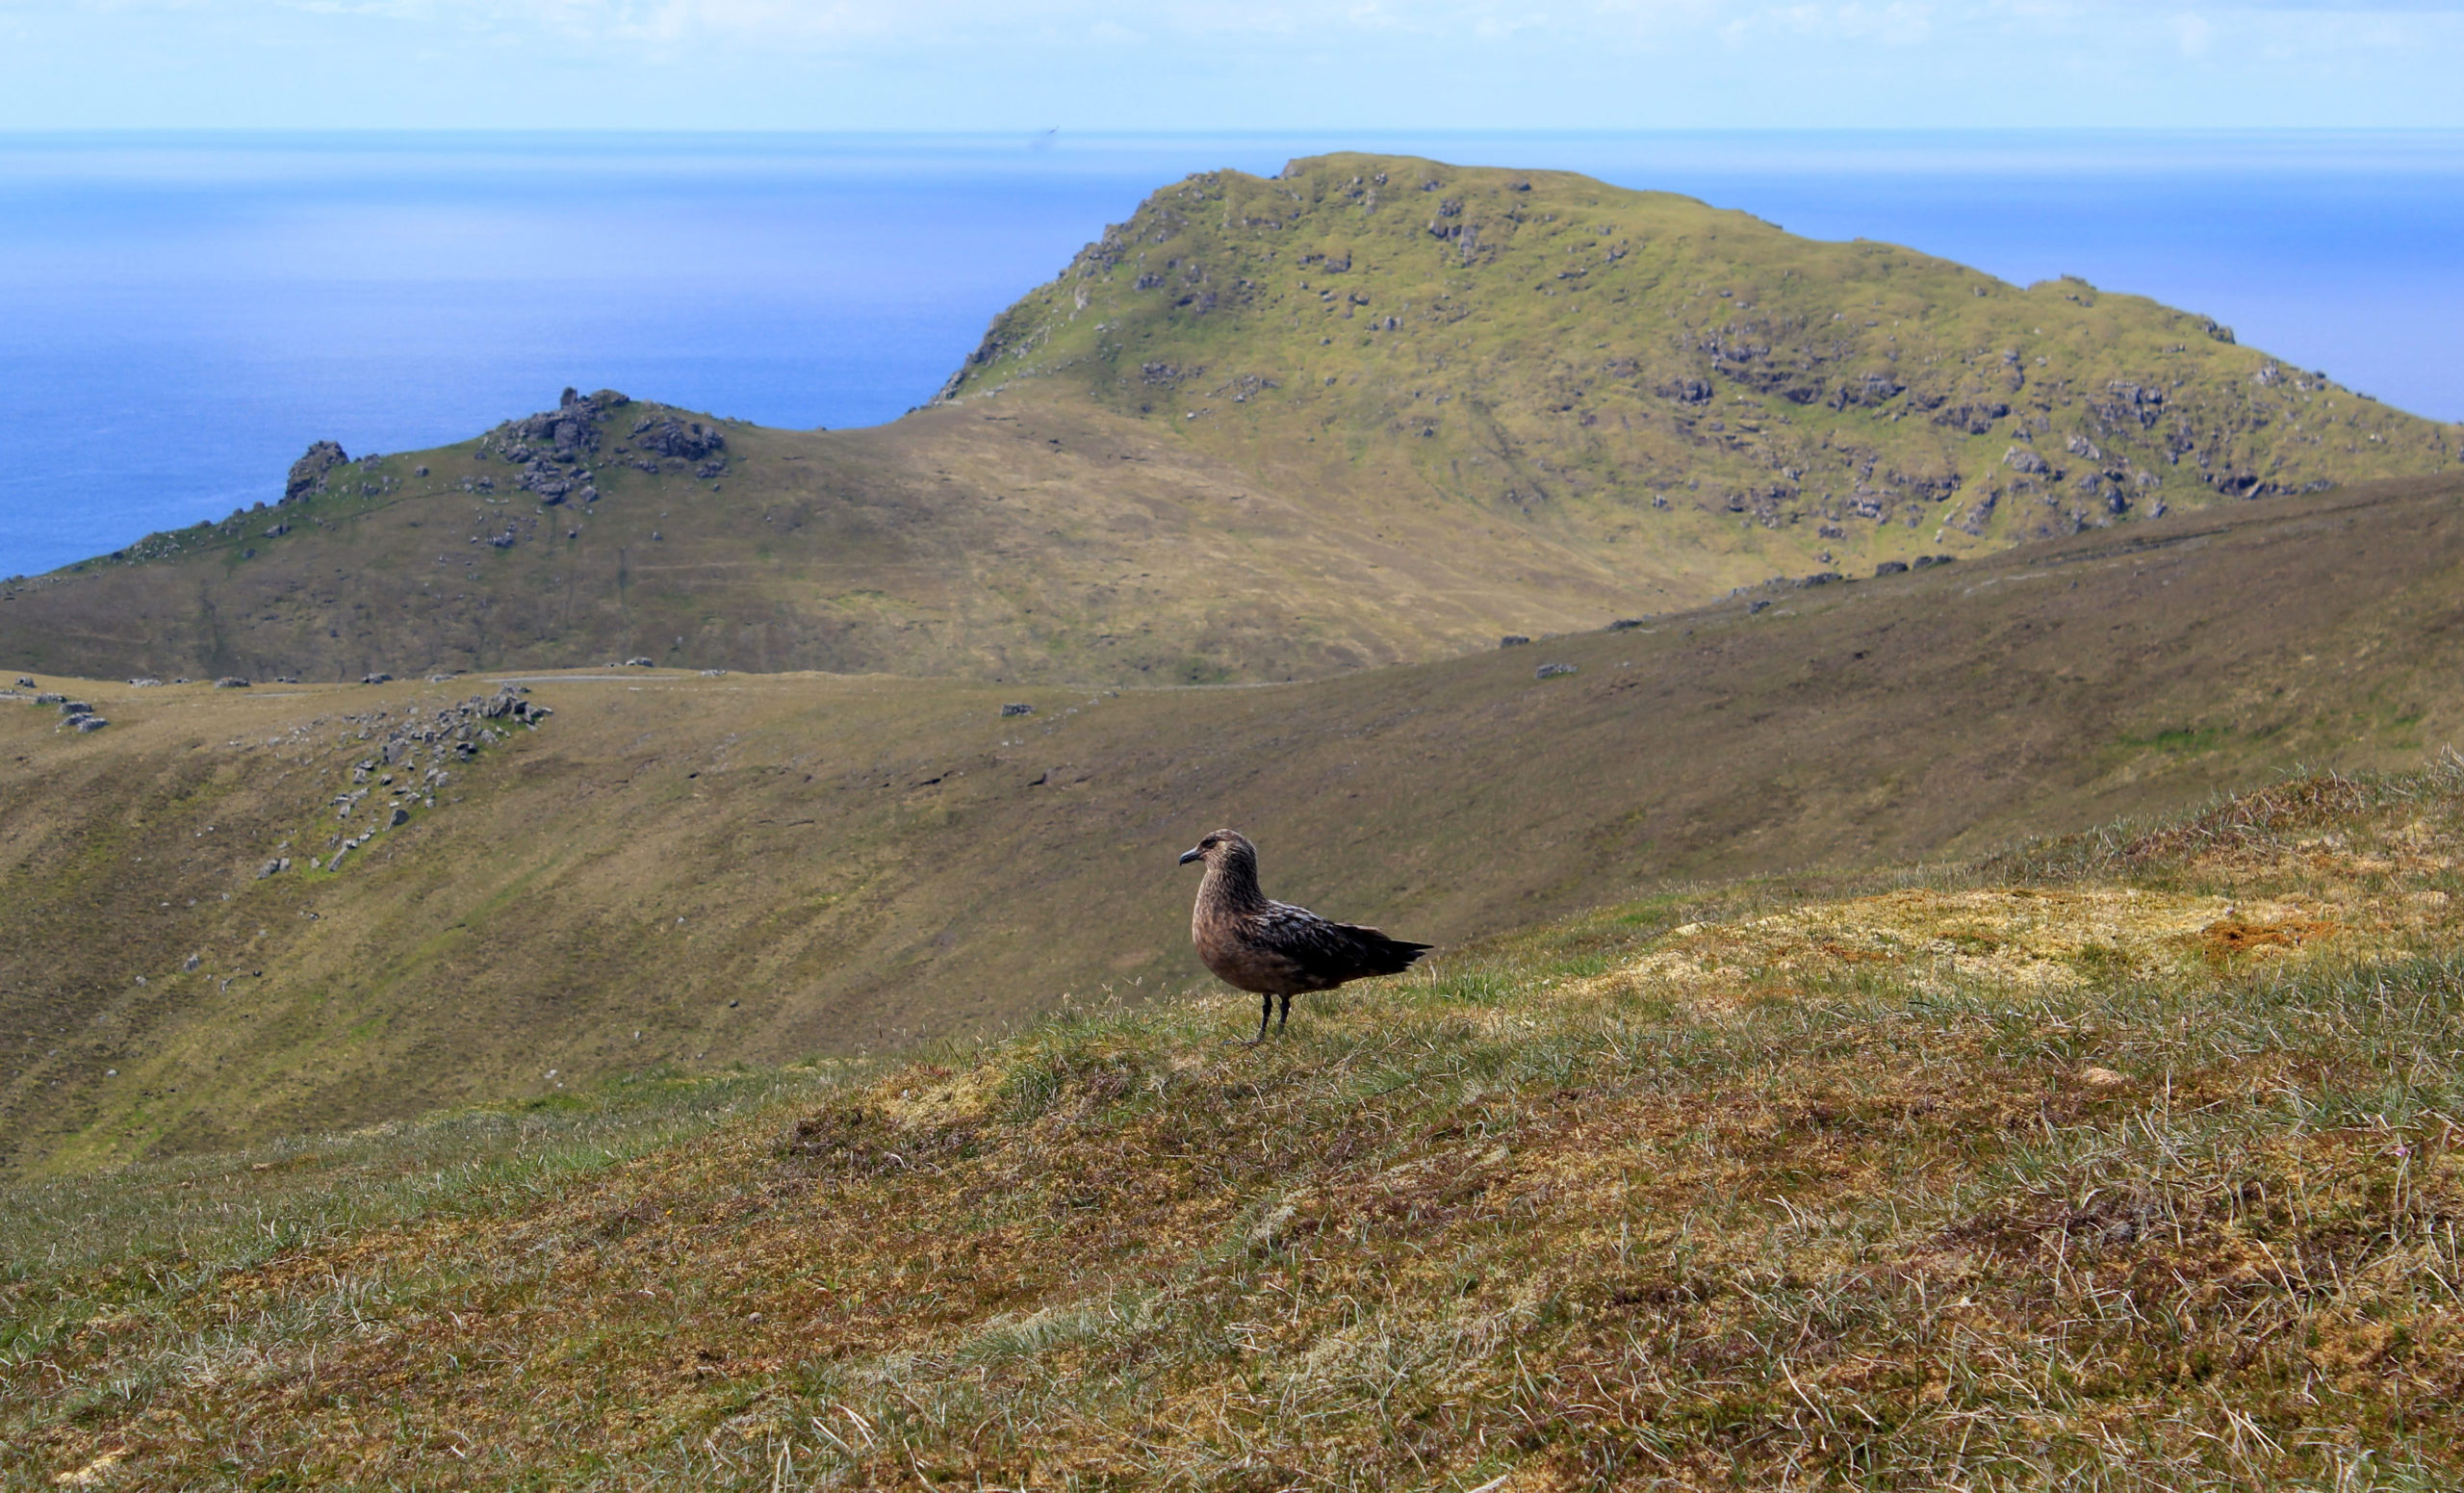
1275	948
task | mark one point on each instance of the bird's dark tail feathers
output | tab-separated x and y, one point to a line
1379	954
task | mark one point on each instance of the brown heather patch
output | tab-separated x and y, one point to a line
1978	1187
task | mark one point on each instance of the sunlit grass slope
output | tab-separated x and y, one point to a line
2126	1161
694	870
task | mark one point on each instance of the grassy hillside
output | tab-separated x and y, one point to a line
1649	372
2128	1162
1372	411
1039	541
687	870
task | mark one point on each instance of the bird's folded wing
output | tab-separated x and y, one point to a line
1340	951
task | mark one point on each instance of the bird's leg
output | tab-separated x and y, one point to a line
1265	1008
1285	1015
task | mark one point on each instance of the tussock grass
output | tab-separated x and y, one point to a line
1747	1187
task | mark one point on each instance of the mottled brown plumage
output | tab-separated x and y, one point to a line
1275	948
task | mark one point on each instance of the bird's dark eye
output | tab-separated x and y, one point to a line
1206	844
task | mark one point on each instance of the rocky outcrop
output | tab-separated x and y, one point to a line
553	449
308	473
681	440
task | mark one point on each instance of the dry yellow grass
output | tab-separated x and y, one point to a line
2039	1176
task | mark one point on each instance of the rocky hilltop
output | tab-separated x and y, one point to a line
1373	410
1530	340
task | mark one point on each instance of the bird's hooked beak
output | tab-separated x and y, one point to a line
1188	856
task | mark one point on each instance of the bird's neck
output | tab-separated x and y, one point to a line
1233	882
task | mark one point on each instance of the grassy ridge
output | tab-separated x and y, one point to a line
690	870
2125	1162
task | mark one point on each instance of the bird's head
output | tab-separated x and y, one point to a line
1220	846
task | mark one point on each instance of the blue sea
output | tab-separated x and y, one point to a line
180	314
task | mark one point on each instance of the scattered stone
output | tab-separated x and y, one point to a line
24	683
376	678
230	681
336	863
145	684
639	663
1923	560
1821	578
1627	624
273	867
1891	568
440	679
75	707
714	673
401	817
1017	710
1513	640
91	723
1552	670
419	472
1750	608
193	960
49	697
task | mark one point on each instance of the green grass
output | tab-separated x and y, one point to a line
1662	1195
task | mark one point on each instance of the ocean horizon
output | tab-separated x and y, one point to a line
181	313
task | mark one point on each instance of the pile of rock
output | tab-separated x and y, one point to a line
681	440
76	713
555	449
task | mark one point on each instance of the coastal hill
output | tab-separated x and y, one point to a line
237	913
1372	410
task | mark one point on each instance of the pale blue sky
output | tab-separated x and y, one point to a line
1017	65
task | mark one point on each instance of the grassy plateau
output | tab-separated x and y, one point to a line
2122	1161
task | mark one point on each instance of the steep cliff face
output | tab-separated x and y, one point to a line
1525	340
